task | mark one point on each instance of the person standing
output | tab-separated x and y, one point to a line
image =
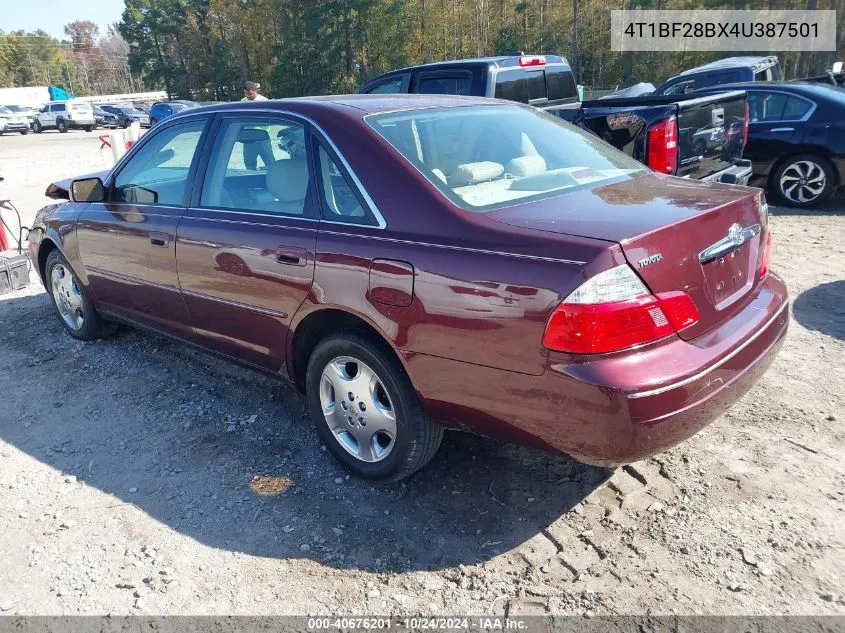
257	148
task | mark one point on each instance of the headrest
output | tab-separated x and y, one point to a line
472	173
287	179
252	135
526	166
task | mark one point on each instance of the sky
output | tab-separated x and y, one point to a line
52	15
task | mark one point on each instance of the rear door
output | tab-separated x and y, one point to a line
128	244
246	246
776	126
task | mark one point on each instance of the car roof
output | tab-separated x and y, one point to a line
794	86
732	62
366	103
498	61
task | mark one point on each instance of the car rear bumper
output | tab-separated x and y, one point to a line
615	408
737	174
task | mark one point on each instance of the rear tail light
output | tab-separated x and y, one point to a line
745	126
663	146
766	259
532	60
614	310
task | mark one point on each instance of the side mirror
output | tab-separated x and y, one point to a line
87	190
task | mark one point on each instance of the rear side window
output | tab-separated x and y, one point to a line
680	88
560	84
445	85
394	86
776	106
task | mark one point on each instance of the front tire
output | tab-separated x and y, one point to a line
24	132
71	301
37	128
365	409
804	181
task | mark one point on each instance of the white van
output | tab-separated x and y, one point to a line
64	115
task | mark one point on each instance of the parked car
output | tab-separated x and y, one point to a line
623	310
163	109
796	139
723	71
104	119
25	111
657	131
11	121
65	115
127	115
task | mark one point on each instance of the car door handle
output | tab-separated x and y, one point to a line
291	256
783	129
161	240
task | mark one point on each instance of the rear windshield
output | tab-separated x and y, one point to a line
532	84
488	157
80	106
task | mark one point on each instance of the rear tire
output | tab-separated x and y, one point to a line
70	299
803	181
61	126
375	425
126	123
88	128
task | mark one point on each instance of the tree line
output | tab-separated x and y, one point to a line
205	49
86	62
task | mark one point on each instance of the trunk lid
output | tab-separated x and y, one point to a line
677	234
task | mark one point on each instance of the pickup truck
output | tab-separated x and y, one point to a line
723	71
693	136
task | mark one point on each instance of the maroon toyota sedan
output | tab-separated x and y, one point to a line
414	263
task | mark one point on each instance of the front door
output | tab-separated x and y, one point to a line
245	247
128	244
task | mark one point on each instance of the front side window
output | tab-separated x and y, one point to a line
259	165
158	172
680	88
487	157
392	86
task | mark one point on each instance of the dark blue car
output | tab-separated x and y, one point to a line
163	109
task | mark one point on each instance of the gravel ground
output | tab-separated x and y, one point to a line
137	476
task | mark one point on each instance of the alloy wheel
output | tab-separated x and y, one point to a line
358	409
803	181
67	296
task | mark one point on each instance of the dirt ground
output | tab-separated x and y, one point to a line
137	476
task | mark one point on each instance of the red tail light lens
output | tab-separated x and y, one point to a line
745	126
766	260
613	311
663	146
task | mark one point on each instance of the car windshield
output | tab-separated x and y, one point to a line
5	110
488	157
15	108
178	107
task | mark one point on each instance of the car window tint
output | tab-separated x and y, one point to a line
341	201
795	108
258	165
388	87
535	84
510	85
158	172
682	87
453	85
560	84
